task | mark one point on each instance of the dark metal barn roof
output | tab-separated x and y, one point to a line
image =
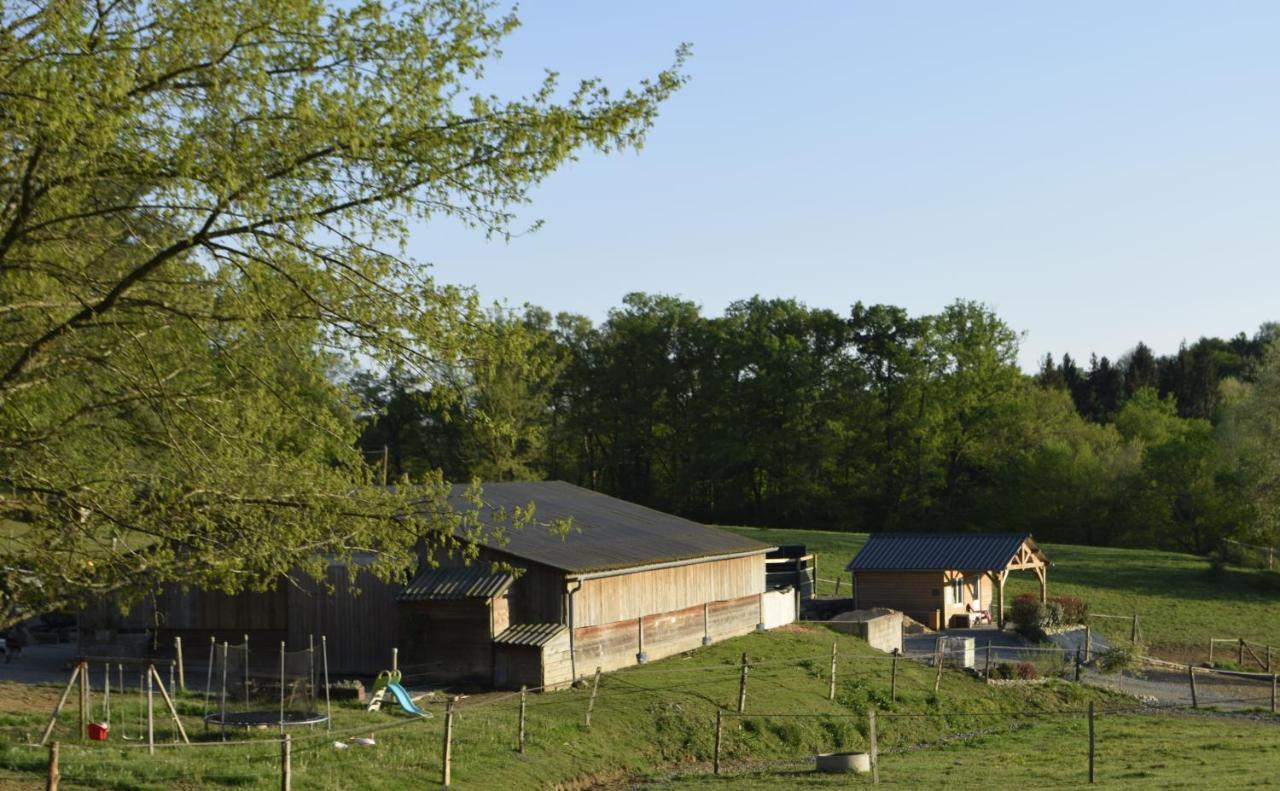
454	583
607	533
939	551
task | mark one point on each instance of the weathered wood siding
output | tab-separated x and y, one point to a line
916	593
358	620
610	599
447	641
557	663
615	645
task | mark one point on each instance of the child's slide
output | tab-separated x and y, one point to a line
402	697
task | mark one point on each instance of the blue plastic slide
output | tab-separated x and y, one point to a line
406	703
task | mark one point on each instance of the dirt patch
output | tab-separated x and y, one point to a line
795	627
15	698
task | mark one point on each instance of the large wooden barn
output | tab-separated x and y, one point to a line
627	584
942	579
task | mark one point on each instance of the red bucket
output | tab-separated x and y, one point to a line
98	731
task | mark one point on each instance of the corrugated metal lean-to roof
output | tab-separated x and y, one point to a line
453	583
607	533
937	551
530	634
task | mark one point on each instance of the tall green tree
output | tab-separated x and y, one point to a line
199	207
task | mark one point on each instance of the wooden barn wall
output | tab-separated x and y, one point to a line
358	621
916	593
537	595
557	663
613	646
609	599
446	641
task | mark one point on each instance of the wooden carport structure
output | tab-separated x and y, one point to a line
936	577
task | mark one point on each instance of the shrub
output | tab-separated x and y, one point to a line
1027	610
1121	657
1027	671
1003	671
1074	609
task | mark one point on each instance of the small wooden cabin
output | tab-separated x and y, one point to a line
628	584
942	579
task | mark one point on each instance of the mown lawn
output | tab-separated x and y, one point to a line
648	722
1180	604
1132	752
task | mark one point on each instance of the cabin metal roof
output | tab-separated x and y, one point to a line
607	534
455	583
939	551
530	633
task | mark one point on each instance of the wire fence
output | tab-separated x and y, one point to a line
710	692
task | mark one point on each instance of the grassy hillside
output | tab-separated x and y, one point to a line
648	721
1180	604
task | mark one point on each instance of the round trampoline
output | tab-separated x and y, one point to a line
265	719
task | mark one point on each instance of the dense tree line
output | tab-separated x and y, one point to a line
778	414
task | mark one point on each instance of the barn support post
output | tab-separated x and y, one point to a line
760	611
706	623
641	656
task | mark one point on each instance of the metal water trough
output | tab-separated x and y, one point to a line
858	763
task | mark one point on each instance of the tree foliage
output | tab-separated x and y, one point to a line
199	207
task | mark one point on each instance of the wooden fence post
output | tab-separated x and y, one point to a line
151	714
591	702
937	661
1191	676
986	673
1240	658
446	776
1210	652
893	678
831	688
874	749
286	764
1077	664
1088	643
182	670
524	700
1091	744
719	730
1133	634
52	783
1268	657
742	685
84	700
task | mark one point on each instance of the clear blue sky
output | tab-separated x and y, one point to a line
1099	173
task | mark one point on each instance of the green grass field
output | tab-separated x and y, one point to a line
653	725
648	722
1180	604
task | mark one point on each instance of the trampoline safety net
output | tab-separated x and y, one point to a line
264	689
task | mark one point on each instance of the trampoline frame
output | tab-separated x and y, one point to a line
262	718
